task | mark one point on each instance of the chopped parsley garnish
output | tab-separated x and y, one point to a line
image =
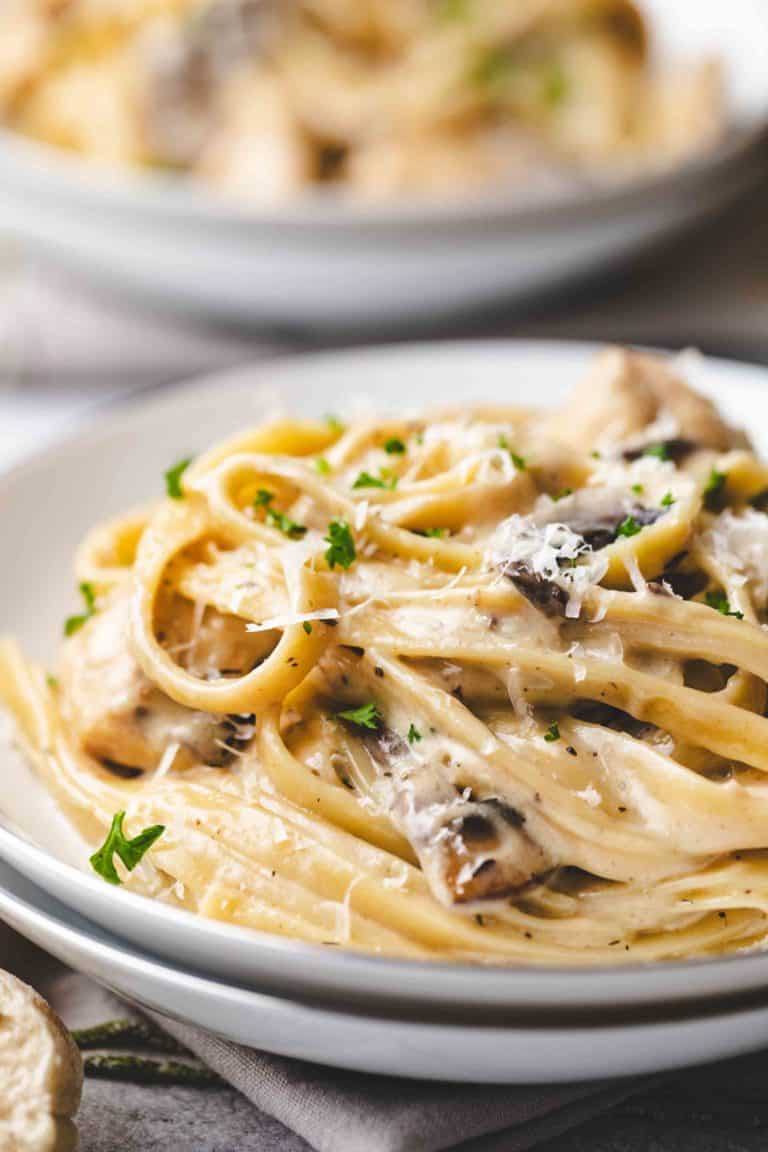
453	9
413	734
52	681
629	527
518	461
74	623
341	545
660	451
277	519
385	479
322	466
713	490
287	526
436	533
173	478
553	732
129	851
638	488
334	423
555	86
493	68
366	716
561	495
307	627
596	455
667	500
394	446
719	601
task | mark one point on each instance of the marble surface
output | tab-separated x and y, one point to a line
719	1109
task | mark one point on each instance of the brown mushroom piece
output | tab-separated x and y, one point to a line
540	553
187	66
470	848
123	720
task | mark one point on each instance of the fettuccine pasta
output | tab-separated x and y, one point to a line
483	683
266	98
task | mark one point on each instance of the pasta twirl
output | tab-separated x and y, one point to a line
484	683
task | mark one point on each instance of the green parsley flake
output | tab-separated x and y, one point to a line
660	451
629	527
173	478
385	479
668	500
413	734
554	87
561	495
74	623
334	423
394	446
638	488
322	466
129	851
453	9
714	490
518	461
285	525
553	732
52	681
307	627
436	533
366	716
492	69
341	545
719	601
277	519
596	455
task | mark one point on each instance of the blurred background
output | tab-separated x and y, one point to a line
190	185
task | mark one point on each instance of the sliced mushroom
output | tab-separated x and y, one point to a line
469	848
186	66
674	448
552	555
123	720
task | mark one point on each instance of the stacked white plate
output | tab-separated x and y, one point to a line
369	1013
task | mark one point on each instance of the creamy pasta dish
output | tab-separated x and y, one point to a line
484	683
265	98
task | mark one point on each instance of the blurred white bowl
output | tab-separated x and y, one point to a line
327	260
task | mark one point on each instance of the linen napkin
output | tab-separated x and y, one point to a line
327	1109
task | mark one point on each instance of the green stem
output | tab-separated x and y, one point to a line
142	1070
125	1034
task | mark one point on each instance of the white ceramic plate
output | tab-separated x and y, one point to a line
47	505
500	1049
331	261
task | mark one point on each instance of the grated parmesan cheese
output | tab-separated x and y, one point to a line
543	549
738	542
590	795
289	619
629	561
166	761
